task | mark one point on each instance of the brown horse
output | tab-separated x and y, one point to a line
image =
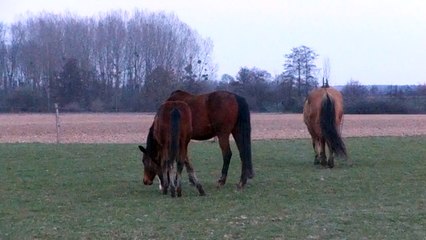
220	114
323	115
167	144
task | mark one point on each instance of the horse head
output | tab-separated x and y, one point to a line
150	160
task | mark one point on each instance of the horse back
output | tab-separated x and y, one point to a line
216	112
222	111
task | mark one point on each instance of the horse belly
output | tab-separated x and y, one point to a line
202	132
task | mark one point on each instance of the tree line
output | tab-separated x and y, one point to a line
115	62
391	99
132	62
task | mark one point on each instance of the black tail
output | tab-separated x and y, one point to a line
329	128
175	129
244	130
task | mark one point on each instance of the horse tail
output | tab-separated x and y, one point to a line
175	130
329	128
244	131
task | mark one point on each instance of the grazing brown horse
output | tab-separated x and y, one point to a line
220	114
323	115
167	144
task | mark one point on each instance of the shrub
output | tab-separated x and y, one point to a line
72	107
24	100
97	105
378	106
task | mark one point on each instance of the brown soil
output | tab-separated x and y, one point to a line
133	127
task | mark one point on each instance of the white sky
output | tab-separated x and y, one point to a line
371	41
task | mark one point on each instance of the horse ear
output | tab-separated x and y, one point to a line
142	149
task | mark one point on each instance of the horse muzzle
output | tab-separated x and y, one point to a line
146	181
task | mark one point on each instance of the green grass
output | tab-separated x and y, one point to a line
95	191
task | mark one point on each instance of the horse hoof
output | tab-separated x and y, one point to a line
240	186
250	175
221	182
191	181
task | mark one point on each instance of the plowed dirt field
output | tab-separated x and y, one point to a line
133	127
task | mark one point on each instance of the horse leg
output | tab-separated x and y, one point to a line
322	156
245	170
160	182
226	154
330	158
331	161
165	181
178	179
318	145
172	180
314	146
193	178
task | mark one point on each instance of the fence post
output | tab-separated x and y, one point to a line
58	125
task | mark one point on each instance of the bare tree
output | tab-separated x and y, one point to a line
253	85
115	54
354	90
14	51
3	57
300	67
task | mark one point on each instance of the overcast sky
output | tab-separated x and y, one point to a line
370	41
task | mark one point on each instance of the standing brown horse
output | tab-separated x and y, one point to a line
323	114
167	144
220	114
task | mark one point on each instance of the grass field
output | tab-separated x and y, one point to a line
92	191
